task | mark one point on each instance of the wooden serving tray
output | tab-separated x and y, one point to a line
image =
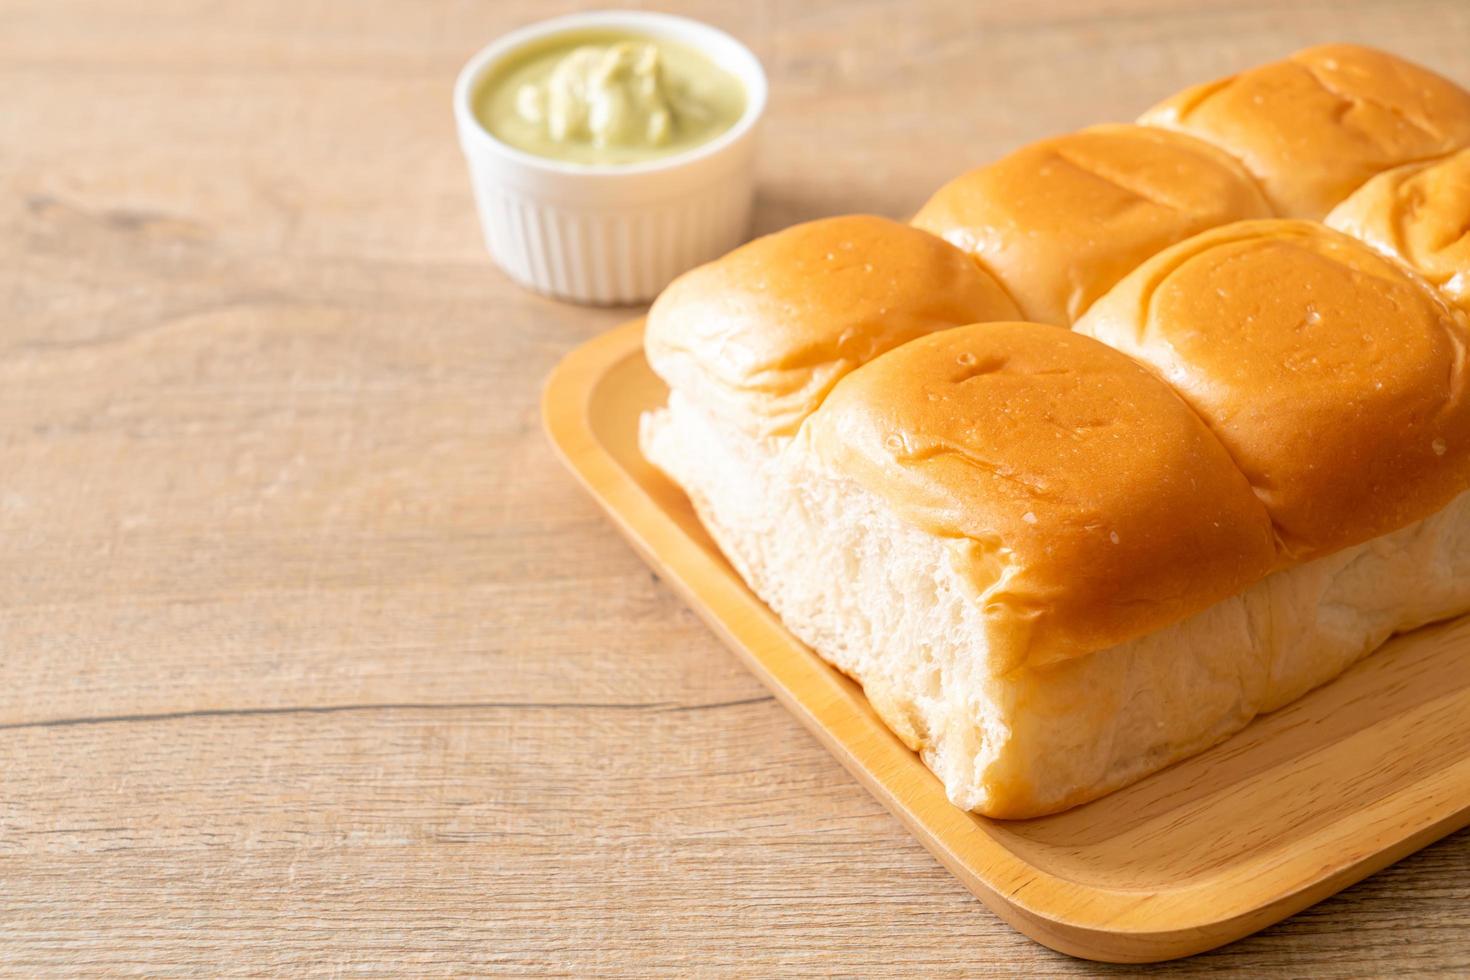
1302	803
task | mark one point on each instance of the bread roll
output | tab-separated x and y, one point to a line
1336	380
1059	221
766	331
1057	565
1420	215
893	604
1314	127
1072	485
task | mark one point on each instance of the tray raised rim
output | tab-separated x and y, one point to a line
1075	917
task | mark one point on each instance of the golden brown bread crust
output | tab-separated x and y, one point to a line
1093	511
1059	221
1335	378
766	331
1314	127
1419	214
1086	502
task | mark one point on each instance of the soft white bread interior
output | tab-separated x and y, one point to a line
1420	215
1314	127
1059	221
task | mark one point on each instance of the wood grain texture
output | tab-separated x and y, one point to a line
314	660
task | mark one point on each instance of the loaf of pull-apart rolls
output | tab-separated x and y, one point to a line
1129	437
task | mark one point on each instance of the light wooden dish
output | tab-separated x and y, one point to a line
1299	805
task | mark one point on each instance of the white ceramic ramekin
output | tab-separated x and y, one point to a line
612	234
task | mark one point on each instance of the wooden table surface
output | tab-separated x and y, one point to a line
313	660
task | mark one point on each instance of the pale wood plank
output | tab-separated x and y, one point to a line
474	839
